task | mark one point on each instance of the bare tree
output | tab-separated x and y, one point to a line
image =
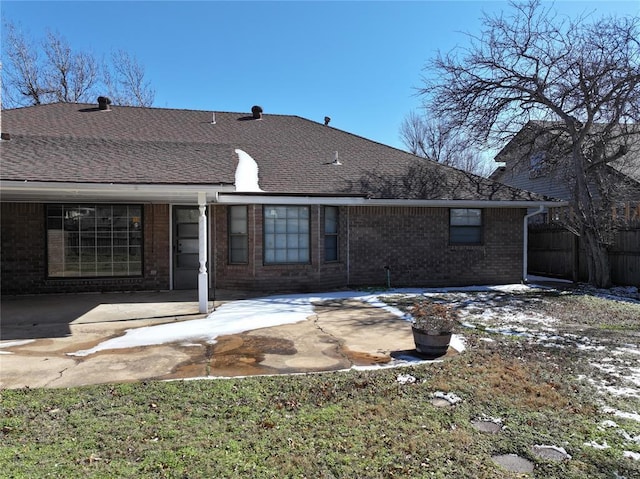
69	77
22	75
438	141
125	81
51	71
428	181
583	75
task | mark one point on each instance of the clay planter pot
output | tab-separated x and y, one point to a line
431	345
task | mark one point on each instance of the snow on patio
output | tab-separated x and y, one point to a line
511	310
245	315
236	317
504	310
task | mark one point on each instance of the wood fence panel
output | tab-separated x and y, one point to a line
625	258
551	251
556	252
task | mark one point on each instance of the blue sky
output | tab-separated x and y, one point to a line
357	62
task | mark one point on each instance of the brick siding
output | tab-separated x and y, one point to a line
412	242
255	275
24	254
23	263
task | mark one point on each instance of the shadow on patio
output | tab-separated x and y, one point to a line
51	315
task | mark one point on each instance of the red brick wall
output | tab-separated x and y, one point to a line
24	254
255	275
157	251
413	242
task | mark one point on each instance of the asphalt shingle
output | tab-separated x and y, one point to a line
66	142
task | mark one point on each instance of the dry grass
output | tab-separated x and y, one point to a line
363	424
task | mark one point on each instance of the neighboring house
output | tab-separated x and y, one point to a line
536	160
128	198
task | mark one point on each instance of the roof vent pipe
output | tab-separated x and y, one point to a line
103	103
256	111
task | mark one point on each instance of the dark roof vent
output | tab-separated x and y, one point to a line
103	103
326	120
256	111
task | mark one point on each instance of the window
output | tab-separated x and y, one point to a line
286	234
538	165
465	226
330	233
94	240
238	235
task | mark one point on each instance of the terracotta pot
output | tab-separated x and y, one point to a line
431	345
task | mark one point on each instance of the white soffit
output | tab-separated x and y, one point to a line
362	201
40	192
223	194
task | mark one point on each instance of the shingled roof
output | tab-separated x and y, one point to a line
79	143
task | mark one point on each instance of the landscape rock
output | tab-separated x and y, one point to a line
483	425
550	453
514	463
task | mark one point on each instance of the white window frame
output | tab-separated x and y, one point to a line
466	226
287	234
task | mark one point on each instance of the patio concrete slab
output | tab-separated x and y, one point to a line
37	333
366	334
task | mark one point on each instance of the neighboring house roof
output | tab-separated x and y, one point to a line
79	143
551	175
628	166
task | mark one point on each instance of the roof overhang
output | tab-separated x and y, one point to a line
26	191
282	199
32	191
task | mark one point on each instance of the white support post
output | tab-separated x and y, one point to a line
203	276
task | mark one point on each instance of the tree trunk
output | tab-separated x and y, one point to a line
597	260
590	223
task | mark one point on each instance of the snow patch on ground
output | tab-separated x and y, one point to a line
625	415
230	318
457	343
450	397
596	445
11	344
510	310
406	379
617	293
517	314
240	316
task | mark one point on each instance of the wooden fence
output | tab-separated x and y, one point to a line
556	252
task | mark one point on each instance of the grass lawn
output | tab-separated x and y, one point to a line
357	424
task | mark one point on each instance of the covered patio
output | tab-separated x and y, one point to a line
79	339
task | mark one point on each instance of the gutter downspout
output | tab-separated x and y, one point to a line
525	246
